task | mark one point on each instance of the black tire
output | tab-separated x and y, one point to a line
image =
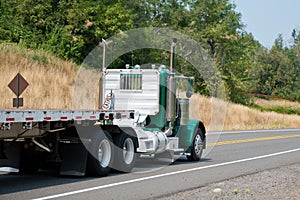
101	154
197	147
30	160
125	153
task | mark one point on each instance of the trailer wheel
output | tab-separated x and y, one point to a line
29	163
100	155
197	148
125	153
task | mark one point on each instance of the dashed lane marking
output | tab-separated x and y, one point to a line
253	140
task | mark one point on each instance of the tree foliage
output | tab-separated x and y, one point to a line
71	29
277	70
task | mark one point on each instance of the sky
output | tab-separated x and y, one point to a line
266	19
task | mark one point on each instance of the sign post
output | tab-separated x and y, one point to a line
18	85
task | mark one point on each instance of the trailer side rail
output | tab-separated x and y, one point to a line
13	116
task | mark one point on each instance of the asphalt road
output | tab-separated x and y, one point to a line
228	155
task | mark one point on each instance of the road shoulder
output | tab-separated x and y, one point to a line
279	183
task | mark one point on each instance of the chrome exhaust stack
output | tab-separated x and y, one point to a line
101	95
184	105
171	98
171	91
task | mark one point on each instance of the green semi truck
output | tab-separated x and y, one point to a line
142	112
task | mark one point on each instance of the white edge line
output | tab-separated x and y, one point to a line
162	175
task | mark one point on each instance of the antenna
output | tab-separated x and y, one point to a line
172	58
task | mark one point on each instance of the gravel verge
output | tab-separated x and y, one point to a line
275	184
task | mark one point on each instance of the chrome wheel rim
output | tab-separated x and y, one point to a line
104	153
198	146
128	151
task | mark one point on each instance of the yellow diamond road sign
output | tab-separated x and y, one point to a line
18	84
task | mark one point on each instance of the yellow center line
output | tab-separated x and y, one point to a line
253	140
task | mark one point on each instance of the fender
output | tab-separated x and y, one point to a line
131	132
187	133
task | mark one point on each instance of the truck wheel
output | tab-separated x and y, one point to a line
197	148
30	160
29	163
100	155
125	153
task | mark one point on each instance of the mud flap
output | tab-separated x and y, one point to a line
11	155
74	159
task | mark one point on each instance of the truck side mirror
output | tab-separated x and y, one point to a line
189	91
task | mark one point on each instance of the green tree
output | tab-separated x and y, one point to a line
279	43
69	29
217	25
294	55
274	73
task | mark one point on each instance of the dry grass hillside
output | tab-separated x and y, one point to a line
238	117
50	79
269	104
51	86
